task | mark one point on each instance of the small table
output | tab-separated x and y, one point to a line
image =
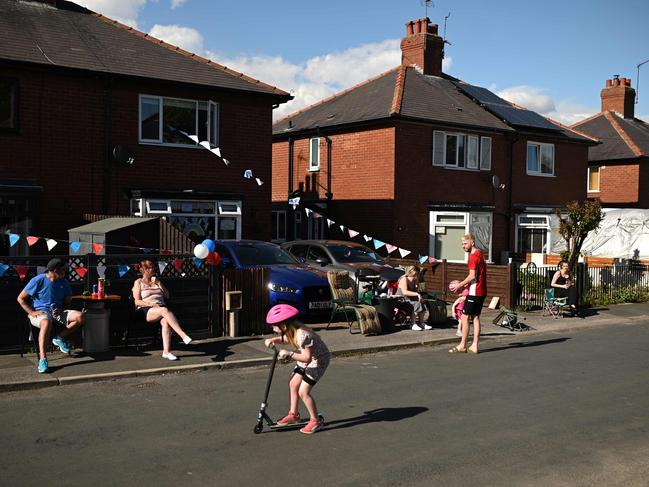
96	331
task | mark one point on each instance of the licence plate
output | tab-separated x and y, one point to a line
319	304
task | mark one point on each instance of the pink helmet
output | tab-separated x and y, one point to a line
280	313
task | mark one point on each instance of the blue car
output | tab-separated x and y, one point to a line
290	281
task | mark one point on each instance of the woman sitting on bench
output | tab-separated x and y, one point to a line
149	296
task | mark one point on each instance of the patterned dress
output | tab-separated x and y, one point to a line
320	355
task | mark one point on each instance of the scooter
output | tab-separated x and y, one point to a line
262	415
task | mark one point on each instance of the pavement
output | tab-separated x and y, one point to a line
19	373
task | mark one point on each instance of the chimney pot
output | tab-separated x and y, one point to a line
425	51
618	96
409	29
609	83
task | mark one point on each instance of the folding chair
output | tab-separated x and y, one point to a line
509	319
343	294
554	306
136	323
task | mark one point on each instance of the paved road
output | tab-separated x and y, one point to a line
569	409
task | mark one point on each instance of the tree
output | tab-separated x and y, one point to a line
579	221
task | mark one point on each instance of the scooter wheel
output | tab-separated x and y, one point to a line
321	418
259	427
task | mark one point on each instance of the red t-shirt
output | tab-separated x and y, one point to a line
478	287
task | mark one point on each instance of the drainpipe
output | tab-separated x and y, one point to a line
510	203
290	188
107	150
329	195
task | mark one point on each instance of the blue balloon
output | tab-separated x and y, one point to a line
211	246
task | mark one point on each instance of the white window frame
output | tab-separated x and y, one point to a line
167	211
599	175
312	166
281	236
212	132
541	146
139	203
545	225
223	212
465	224
480	161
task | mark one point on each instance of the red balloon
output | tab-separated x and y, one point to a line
213	258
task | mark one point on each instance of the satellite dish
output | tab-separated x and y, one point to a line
123	155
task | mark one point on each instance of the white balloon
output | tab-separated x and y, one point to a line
201	251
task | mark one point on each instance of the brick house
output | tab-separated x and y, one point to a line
618	168
88	112
417	158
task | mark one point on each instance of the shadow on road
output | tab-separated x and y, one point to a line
526	344
375	416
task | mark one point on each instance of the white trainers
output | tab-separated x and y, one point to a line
416	327
187	340
169	356
427	327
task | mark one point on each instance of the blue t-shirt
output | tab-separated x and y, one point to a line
47	294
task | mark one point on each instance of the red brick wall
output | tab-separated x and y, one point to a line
62	145
619	184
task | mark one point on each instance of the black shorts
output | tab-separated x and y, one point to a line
302	371
473	305
143	310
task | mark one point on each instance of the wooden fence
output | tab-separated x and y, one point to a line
253	284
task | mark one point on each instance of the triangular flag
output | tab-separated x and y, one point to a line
403	252
75	246
378	244
294	201
81	271
432	260
101	270
259	181
97	248
194	138
22	271
226	162
162	266
330	222
423	259
342	228
316	215
40	269
198	262
13	238
216	151
146	250
178	264
367	238
3	269
391	248
205	144
51	243
247	174
122	269
307	211
352	233
165	251
32	240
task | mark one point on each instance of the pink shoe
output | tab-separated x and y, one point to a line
290	418
311	427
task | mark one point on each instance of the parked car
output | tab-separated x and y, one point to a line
291	282
339	255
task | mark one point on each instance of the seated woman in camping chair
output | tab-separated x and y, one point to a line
564	286
408	285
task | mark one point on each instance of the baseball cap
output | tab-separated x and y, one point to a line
55	263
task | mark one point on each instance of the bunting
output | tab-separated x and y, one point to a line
32	240
391	248
162	266
51	243
352	233
97	248
378	244
198	262
75	246
178	264
3	269
81	271
122	269
403	252
13	238
101	270
22	271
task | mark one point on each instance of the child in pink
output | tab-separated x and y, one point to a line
458	304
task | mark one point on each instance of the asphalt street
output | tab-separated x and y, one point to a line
562	409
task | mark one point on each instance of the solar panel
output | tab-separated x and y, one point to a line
507	112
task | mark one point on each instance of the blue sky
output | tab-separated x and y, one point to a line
551	56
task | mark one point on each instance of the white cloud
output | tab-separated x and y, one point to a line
185	37
125	11
177	3
529	97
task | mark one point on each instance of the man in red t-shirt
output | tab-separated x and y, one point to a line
477	282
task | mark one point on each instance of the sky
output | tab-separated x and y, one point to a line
550	56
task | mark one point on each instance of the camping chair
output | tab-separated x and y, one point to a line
135	325
343	298
554	306
509	319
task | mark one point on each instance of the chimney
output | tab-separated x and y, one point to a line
618	96
423	47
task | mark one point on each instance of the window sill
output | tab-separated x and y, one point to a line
179	146
314	169
541	175
466	169
592	190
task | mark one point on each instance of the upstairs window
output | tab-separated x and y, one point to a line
461	151
314	154
162	119
593	179
8	105
540	159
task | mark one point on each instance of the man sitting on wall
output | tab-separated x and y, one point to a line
46	299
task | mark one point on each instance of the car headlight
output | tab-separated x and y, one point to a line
281	289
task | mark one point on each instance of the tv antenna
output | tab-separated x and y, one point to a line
425	4
445	20
637	80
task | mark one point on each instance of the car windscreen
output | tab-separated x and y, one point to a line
345	253
262	254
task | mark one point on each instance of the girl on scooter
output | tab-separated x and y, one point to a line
312	357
